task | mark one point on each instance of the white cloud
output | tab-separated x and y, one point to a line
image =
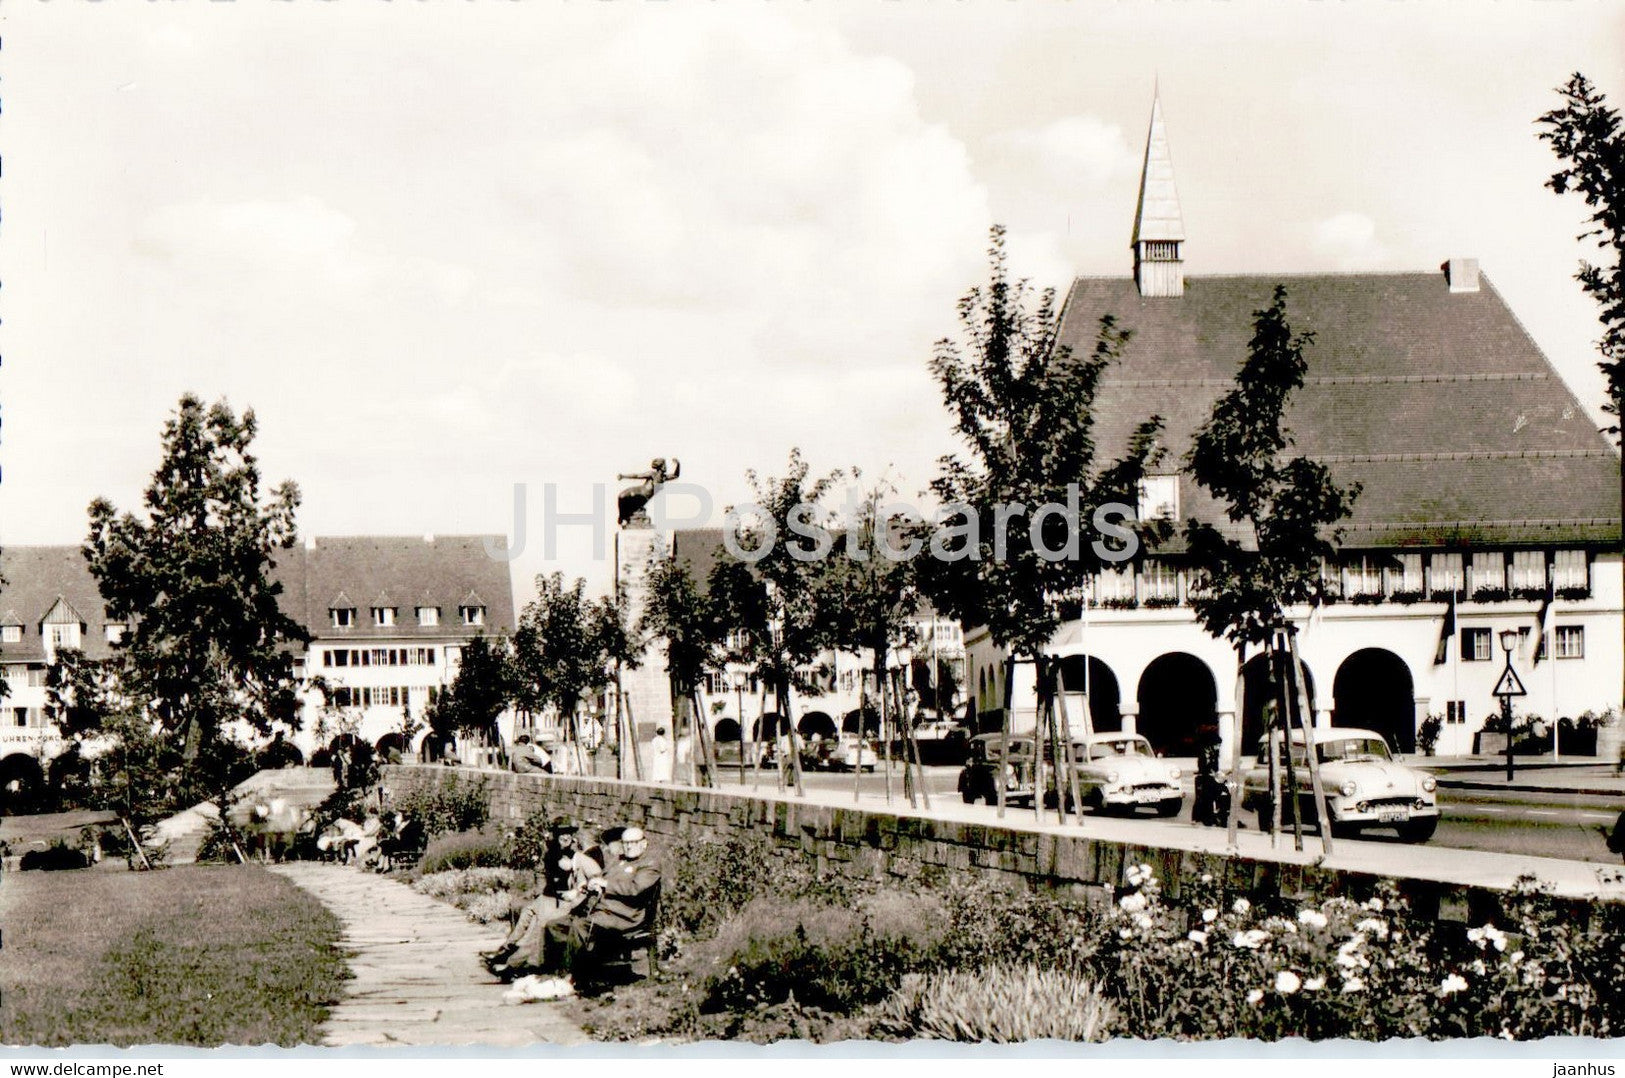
1074	151
1350	240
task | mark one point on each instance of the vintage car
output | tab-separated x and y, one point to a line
985	768
1365	787
842	753
1120	772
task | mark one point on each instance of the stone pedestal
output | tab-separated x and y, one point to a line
647	689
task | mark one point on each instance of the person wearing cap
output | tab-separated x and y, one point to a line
626	894
566	870
660	756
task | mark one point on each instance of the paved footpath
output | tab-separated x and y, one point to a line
417	978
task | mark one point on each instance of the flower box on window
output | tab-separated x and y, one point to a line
1119	603
1160	602
1407	596
1580	592
1366	598
1529	593
1490	595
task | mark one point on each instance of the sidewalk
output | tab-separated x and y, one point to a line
1472	868
1531	774
416	973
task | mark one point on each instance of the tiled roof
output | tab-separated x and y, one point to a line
1439	403
701	548
37	578
445	572
442	571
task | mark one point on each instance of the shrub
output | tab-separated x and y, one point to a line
527	844
833	958
1002	1004
447	803
464	849
485	894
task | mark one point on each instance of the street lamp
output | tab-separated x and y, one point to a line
1506	689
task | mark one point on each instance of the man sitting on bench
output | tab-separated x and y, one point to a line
625	898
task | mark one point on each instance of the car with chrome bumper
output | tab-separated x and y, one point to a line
1366	788
1119	773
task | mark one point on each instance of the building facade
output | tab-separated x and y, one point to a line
387	616
1489	501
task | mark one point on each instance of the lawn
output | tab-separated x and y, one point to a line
190	955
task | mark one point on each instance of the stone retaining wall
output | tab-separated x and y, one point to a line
871	843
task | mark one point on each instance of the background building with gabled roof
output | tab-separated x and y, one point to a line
1489	500
388	617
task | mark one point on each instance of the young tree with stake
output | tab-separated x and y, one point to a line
1023	403
1285	507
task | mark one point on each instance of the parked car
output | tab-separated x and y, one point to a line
851	751
1365	787
1120	772
985	768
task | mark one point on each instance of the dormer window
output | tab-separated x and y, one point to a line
1160	251
343	617
1159	497
383	616
429	616
473	615
11	634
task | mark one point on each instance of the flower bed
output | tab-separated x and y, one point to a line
777	951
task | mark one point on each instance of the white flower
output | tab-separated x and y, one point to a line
1134	876
1477	966
1250	939
1125	933
1354	984
1209	916
1145	870
1452	984
1515	957
1256	996
1287	982
1372	904
1314	984
1374	926
1476	935
1347	960
1312	917
1196	936
1142	920
1241	905
1207	877
1133	902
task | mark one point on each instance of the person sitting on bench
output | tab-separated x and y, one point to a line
566	868
620	903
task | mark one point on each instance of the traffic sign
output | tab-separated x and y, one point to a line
1509	685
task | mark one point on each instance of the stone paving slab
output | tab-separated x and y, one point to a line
416	973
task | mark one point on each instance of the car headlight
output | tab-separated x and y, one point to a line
1428	785
1111	776
1173	773
1348	788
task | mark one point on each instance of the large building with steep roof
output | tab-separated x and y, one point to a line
388	617
1488	499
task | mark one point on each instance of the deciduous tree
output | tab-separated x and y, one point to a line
1282	508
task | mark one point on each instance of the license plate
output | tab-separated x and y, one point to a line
1149	795
1393	817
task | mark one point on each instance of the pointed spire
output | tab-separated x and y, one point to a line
1159	226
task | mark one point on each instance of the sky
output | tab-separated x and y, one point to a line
447	249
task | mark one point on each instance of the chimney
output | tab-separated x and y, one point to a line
1461	274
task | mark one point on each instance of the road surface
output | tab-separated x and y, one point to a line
1546	823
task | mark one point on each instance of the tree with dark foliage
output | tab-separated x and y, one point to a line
1024	404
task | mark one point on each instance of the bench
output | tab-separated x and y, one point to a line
615	954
